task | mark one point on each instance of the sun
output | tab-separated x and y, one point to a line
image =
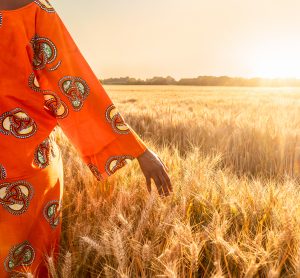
275	59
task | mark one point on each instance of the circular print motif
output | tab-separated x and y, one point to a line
76	90
17	123
45	53
15	197
116	162
52	212
19	255
116	120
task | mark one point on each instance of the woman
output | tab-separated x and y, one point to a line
45	82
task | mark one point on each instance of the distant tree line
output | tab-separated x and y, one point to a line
205	81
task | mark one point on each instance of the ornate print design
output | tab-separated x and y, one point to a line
76	89
52	212
16	196
19	255
43	154
57	107
116	162
33	83
116	120
53	102
45	53
17	123
45	5
3	174
95	171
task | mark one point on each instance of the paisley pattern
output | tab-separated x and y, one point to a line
76	89
43	154
15	197
95	171
116	162
52	213
17	123
50	84
45	53
33	83
19	255
56	106
45	5
3	174
53	102
116	120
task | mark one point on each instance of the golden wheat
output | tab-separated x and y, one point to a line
233	159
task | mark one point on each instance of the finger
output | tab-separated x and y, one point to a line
158	184
164	183
168	181
148	183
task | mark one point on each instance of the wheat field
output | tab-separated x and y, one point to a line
233	159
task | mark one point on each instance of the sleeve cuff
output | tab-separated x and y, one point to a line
114	156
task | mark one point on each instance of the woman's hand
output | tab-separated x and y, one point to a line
152	167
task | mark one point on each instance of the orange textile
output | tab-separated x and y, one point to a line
46	82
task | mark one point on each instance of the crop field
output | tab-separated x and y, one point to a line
233	155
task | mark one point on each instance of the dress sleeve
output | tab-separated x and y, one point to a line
74	95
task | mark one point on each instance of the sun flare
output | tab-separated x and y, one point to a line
275	59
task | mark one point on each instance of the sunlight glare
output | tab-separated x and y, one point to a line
275	60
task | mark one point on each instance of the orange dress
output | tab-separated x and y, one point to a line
46	82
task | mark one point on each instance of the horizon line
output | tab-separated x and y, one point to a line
228	76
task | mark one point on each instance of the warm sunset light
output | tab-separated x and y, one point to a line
186	38
273	58
150	138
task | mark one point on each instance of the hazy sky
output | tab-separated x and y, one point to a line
186	38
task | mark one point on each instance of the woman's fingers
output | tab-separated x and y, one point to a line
161	183
168	181
165	178
148	182
158	184
154	168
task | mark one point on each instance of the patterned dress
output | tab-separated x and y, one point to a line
46	82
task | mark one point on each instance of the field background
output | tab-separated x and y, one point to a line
233	159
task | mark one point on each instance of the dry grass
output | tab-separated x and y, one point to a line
233	160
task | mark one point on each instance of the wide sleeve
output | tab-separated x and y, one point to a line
77	99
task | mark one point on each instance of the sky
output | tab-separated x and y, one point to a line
186	38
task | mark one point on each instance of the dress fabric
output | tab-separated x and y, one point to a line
46	82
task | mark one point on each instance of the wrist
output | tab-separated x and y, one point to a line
142	154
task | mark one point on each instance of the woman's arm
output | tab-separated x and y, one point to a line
85	112
13	4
